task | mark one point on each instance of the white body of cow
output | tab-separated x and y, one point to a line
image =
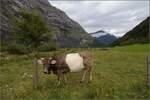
74	62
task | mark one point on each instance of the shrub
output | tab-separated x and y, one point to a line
50	46
3	48
16	49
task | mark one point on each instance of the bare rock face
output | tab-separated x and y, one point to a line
67	33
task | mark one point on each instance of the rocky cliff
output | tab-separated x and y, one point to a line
67	32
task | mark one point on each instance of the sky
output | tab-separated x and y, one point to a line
115	17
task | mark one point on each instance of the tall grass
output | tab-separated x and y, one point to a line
118	73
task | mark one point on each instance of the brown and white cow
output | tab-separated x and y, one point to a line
72	62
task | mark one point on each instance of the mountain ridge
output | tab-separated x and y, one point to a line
102	38
67	32
139	34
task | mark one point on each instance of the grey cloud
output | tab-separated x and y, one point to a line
116	17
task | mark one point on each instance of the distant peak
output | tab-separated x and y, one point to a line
100	31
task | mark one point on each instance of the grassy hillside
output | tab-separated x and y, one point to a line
118	73
139	34
135	48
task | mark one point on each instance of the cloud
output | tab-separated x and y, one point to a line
116	17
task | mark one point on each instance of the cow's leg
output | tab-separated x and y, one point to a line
59	79
84	74
90	75
64	78
60	75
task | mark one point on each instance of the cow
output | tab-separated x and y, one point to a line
71	62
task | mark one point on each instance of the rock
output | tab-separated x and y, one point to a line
67	33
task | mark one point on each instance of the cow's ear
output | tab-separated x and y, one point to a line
42	58
40	61
53	61
50	58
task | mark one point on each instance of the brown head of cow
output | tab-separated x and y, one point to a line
72	62
47	64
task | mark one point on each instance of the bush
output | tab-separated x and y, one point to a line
3	48
48	47
16	49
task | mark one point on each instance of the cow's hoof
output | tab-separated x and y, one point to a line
89	82
58	84
65	83
81	81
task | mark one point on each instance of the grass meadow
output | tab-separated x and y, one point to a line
119	73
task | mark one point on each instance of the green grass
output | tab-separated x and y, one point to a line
134	48
118	73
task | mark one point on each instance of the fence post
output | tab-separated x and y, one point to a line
35	74
148	69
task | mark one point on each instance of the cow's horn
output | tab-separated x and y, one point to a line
53	62
42	58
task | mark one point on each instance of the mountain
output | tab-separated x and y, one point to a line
102	38
139	34
98	33
67	32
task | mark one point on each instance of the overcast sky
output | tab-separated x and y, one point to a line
115	17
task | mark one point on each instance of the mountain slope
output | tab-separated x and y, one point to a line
102	38
107	39
67	33
98	33
139	34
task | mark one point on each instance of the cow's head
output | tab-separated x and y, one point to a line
47	64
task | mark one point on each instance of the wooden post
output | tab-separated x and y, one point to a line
148	69
35	74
